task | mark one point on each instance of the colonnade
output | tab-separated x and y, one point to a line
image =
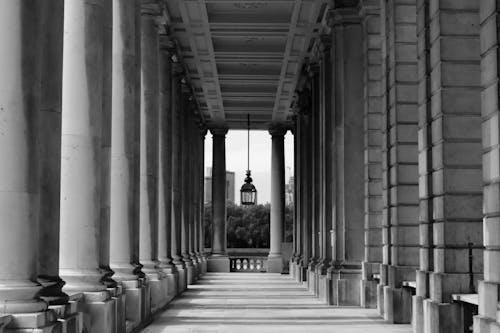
102	160
396	134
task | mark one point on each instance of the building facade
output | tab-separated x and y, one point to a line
104	109
230	186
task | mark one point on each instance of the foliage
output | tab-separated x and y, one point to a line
248	226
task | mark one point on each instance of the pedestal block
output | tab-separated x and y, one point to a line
156	290
397	305
274	264
99	312
67	314
172	279
368	294
380	299
182	278
312	279
218	264
488	318
39	322
442	317
134	305
190	272
146	300
118	295
417	314
345	286
324	289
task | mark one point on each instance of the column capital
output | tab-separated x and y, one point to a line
326	42
203	130
277	130
343	16
369	7
151	8
220	131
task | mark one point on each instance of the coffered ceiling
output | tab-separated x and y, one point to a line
244	57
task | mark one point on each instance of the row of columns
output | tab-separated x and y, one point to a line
103	166
424	169
328	249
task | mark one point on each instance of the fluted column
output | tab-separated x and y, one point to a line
49	132
81	158
20	113
148	186
218	260
176	222
275	260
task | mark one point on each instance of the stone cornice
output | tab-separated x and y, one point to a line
369	7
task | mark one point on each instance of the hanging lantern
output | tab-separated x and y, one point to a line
248	191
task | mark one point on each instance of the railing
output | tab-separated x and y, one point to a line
248	264
248	260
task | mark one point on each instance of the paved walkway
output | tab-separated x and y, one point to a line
246	302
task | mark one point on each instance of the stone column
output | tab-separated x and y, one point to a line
81	140
275	259
124	154
177	110
370	13
296	212
315	180
306	195
148	187
203	133
399	164
348	226
165	167
328	166
22	117
218	260
487	319
186	185
49	149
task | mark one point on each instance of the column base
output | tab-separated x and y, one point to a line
293	268
397	305
368	292
172	279
274	264
442	317
218	263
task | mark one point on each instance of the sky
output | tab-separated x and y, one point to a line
260	159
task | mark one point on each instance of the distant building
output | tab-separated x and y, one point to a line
230	196
289	191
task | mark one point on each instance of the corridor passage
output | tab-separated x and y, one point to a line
246	302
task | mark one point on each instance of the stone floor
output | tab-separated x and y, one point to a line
246	302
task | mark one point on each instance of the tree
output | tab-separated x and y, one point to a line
248	226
